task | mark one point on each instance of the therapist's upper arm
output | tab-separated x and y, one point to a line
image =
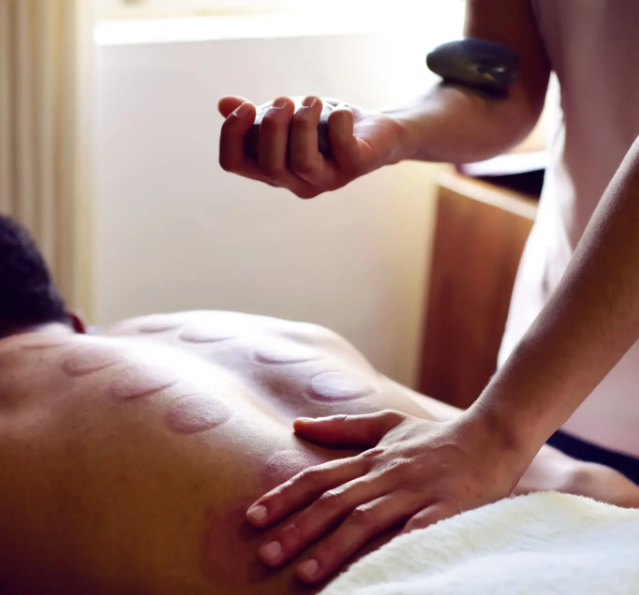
513	24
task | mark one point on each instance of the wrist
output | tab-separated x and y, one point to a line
403	147
529	398
494	445
508	436
409	127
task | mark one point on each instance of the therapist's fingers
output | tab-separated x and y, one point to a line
306	161
228	104
271	166
274	150
234	158
344	144
348	430
320	517
303	489
232	140
273	140
431	515
363	524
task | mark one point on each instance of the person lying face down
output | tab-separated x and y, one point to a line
128	459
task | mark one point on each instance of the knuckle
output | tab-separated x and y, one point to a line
363	517
273	171
331	500
312	478
290	535
302	120
271	124
393	416
302	165
397	467
372	454
277	499
273	174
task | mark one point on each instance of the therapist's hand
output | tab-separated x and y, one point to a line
414	474
361	141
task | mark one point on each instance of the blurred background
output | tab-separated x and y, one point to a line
109	153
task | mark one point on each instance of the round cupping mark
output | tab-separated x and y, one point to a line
88	359
140	381
197	413
206	334
160	324
283	354
340	386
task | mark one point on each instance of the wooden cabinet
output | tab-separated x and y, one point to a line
480	234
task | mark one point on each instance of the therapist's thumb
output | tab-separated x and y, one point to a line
348	430
228	104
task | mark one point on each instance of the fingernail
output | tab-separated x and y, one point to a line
258	513
243	110
305	420
308	569
309	102
271	552
280	103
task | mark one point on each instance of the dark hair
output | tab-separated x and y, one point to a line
28	296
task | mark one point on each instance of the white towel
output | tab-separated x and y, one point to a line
541	544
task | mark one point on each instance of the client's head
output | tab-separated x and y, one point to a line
28	296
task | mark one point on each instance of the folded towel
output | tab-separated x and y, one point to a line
541	544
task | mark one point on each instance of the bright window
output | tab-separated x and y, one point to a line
127	9
336	9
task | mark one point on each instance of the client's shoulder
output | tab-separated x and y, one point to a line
210	325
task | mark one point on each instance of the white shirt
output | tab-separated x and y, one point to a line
593	46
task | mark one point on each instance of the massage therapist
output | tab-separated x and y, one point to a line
569	358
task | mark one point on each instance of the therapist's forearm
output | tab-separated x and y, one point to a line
590	322
458	126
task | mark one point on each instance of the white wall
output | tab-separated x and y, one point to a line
174	231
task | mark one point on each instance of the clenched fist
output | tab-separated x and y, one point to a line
288	154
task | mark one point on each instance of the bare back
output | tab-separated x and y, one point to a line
128	460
